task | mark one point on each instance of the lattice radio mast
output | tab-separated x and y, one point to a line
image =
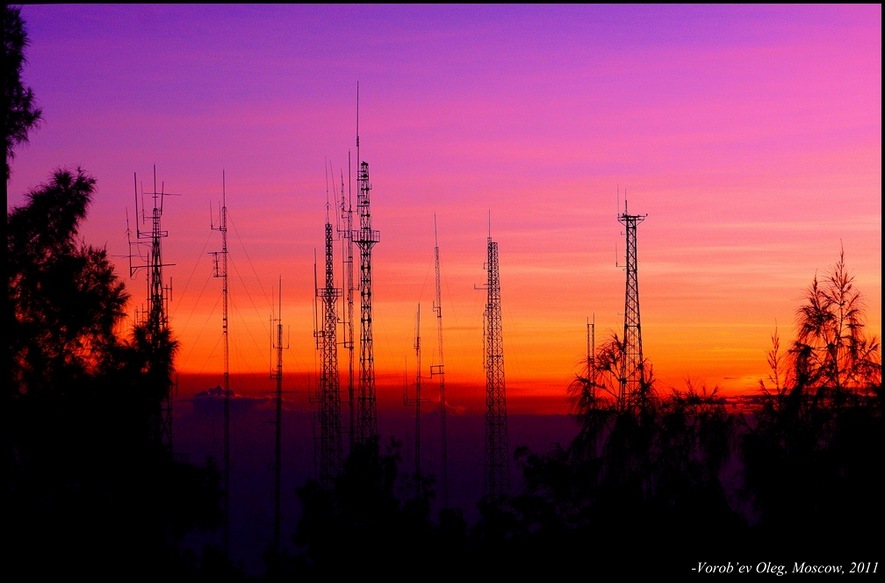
277	374
365	238
591	386
439	370
220	270
330	454
632	386
497	448
157	323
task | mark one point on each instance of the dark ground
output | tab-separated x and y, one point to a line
198	429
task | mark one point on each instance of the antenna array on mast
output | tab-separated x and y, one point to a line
220	270
156	319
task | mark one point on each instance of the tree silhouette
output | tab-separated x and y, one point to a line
832	351
64	298
594	397
20	112
655	472
812	450
780	373
91	491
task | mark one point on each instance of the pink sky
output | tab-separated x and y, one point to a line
750	136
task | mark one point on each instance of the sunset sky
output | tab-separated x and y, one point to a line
750	136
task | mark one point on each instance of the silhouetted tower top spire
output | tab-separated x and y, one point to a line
632	382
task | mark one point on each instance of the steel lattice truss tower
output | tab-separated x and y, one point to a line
365	238
497	448
157	322
439	370
632	374
330	399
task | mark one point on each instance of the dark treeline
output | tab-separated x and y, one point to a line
652	483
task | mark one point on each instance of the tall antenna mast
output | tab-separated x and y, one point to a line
365	238
330	453
438	370
157	322
497	482
592	419
277	374
221	271
347	260
632	383
357	121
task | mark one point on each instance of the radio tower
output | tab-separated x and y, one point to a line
347	260
417	403
632	386
221	271
157	325
438	370
591	386
365	238
329	397
277	374
497	448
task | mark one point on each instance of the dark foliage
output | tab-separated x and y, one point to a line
647	489
90	489
814	467
19	109
372	521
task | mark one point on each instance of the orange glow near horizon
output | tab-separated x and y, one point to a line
754	151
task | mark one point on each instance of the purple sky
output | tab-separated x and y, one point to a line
749	134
